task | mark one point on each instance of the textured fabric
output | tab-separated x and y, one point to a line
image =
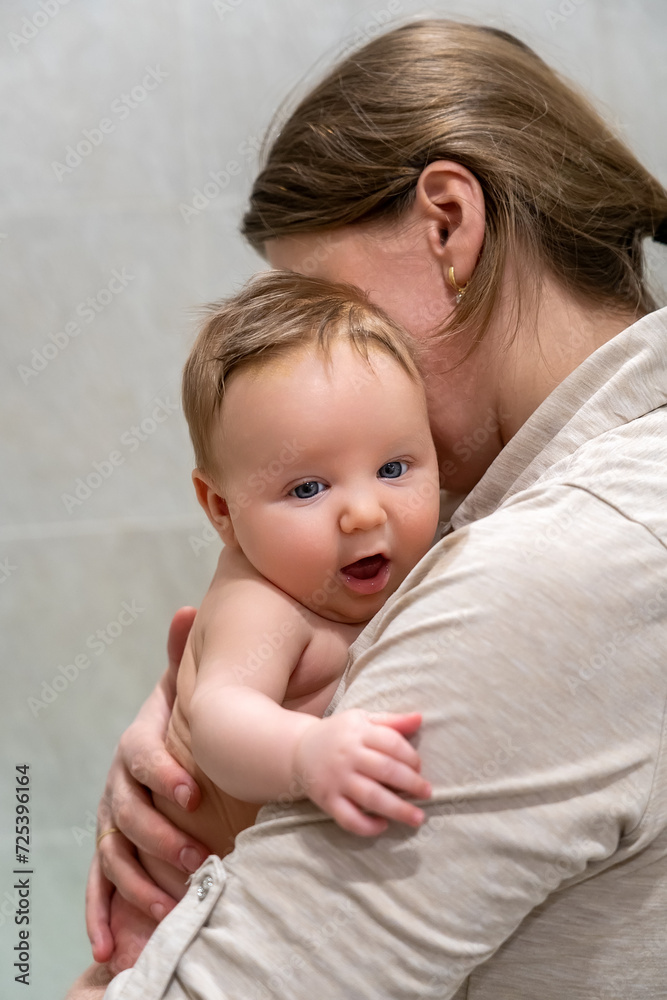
533	637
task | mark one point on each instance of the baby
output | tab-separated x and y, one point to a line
316	466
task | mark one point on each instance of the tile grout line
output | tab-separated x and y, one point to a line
102	526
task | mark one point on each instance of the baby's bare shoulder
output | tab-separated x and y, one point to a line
240	597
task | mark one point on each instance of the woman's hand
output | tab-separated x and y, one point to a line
131	931
141	759
346	762
91	984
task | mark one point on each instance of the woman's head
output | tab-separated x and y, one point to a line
560	190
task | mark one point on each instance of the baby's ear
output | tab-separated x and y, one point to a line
215	506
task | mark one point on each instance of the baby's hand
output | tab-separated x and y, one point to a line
344	764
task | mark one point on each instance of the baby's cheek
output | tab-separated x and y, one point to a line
419	518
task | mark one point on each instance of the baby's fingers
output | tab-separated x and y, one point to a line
351	818
406	723
388	771
391	743
375	798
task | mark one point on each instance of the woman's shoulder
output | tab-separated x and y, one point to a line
569	548
623	468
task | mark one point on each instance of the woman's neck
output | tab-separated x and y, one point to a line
551	341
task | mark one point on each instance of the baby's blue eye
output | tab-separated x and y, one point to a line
392	470
307	490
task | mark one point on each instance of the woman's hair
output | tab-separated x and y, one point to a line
560	189
274	313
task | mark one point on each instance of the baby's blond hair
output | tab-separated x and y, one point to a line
275	313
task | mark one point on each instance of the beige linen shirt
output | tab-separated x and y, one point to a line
533	638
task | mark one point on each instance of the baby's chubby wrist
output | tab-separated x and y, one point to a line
301	774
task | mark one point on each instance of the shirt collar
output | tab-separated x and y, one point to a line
622	380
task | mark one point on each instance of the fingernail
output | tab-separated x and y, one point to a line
182	795
190	859
158	912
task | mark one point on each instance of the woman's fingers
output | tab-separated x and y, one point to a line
151	765
98	909
138	819
127	807
179	630
131	931
130	811
91	984
120	865
142	751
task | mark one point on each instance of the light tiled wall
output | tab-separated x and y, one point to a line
218	71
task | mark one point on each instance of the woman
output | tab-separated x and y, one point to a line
449	173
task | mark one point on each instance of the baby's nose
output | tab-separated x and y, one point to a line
362	513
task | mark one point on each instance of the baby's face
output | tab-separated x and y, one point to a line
331	477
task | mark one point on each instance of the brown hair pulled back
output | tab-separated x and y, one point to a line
560	189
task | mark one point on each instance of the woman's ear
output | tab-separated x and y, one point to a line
215	506
451	199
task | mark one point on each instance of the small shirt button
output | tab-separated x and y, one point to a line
204	886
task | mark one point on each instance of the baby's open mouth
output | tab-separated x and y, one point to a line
364	569
369	575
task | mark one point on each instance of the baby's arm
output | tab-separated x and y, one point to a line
254	749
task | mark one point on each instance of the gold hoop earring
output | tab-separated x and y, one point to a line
460	290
